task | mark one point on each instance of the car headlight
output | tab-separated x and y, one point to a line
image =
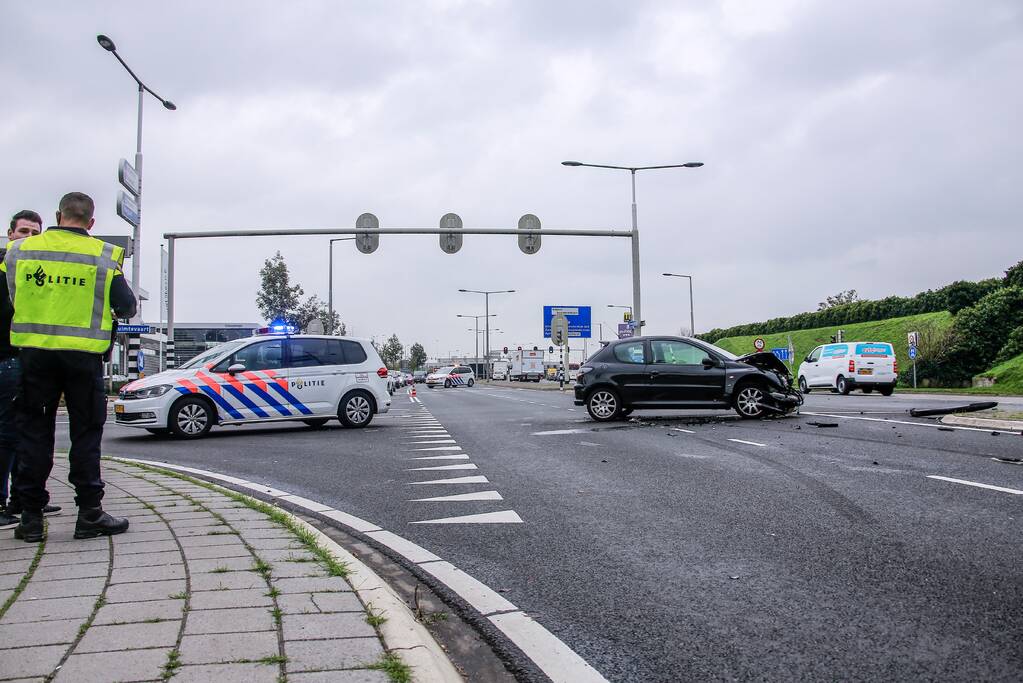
152	392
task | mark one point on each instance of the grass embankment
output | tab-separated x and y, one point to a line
1008	376
892	330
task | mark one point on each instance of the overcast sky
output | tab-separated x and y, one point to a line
866	145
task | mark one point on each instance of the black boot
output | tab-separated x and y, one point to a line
93	522
31	528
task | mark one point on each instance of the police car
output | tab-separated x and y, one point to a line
451	376
265	378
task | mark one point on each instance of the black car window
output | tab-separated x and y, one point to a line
630	353
672	352
353	351
265	355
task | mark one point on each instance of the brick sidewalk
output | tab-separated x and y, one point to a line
201	587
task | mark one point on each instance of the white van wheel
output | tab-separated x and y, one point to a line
803	388
843	386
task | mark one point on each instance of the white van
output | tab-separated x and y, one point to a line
850	365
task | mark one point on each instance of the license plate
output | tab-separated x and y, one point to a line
866	371
118	409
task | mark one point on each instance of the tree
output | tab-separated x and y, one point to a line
839	299
277	298
1014	276
391	352
417	356
313	308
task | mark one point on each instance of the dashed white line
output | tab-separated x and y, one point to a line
439	448
478	495
559	432
977	484
679	429
460	456
437	468
479	479
501	517
748	443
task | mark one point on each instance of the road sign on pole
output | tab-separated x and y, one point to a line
529	243
626	330
128	208
759	344
451	242
128	177
912	353
367	242
579	320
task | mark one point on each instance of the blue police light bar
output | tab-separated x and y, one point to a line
277	327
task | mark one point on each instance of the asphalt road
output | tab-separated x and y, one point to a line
663	549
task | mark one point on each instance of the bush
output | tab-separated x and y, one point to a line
980	332
1013	347
1014	276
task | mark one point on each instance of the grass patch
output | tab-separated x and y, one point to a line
230	532
154	620
391	664
277	615
292	558
262	568
274	592
273	659
20	588
178	596
219	570
374	618
172	664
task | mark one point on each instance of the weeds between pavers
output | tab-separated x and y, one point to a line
374	618
173	664
20	588
391	664
333	566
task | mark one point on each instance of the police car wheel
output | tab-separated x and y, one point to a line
447	384
315	424
356	410
191	418
469	383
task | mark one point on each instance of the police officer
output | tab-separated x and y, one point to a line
66	287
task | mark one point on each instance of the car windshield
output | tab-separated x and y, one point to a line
214	354
445	370
728	355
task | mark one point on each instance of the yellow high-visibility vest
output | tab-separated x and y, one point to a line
59	282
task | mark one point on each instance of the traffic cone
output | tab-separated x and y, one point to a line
413	391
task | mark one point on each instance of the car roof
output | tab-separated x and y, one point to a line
261	337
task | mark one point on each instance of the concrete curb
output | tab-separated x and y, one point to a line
984	423
552	656
401	631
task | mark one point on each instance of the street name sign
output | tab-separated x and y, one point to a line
128	177
128	208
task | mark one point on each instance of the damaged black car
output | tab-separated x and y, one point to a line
642	373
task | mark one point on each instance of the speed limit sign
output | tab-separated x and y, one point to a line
759	344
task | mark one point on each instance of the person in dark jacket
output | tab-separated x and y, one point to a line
66	289
23	224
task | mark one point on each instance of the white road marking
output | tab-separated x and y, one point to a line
748	443
480	479
443	457
482	597
572	409
502	517
978	485
429	441
557	432
458	497
439	448
679	429
438	468
900	422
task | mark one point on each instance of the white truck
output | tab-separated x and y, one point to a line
526	366
500	369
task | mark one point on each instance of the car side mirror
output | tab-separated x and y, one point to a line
709	363
236	368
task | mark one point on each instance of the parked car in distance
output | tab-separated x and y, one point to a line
682	373
846	366
419	376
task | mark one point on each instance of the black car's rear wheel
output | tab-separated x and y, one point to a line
749	401
603	405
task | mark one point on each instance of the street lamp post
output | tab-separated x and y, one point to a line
486	308
136	258
330	279
692	325
487	316
638	316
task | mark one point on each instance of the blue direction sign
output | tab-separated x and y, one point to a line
781	353
133	329
578	320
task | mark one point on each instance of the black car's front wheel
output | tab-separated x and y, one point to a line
749	402
603	405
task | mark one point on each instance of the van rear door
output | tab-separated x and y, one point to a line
875	362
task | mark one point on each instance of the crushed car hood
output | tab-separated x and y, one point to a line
765	361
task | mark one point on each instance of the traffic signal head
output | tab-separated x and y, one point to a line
506	350
627	316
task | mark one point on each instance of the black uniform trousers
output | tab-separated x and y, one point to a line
45	375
